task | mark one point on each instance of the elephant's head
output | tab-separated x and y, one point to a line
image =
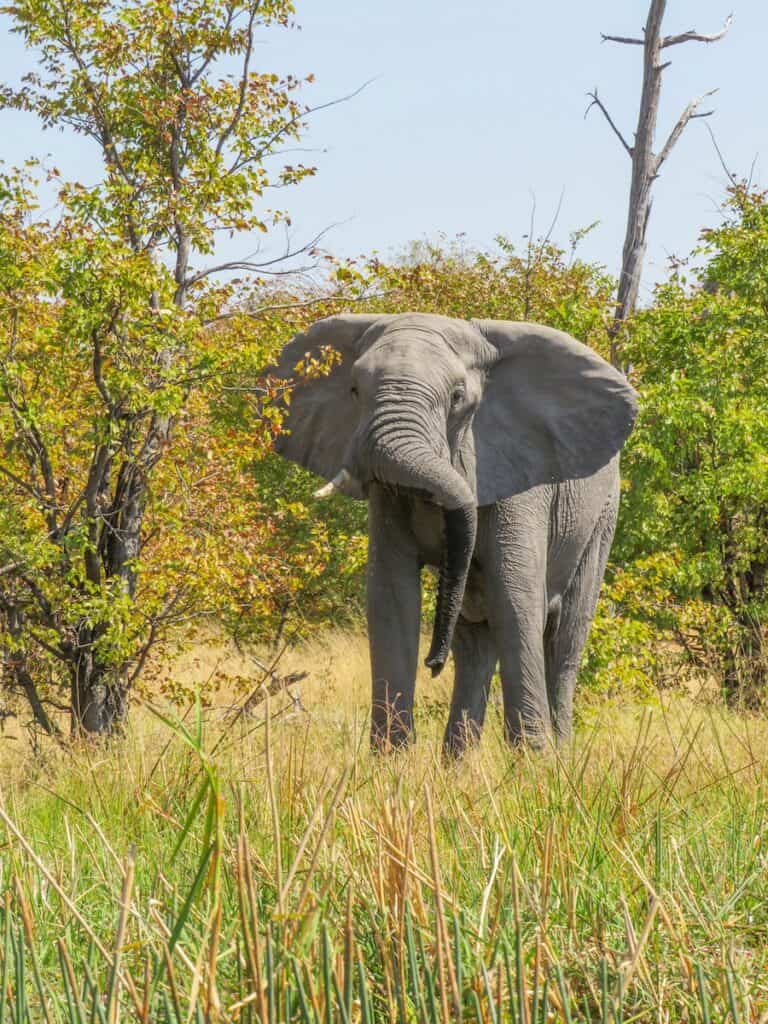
460	412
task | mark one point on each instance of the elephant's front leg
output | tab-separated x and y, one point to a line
394	611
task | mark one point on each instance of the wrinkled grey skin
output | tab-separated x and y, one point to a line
488	449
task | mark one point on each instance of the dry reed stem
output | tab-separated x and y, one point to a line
304	841
273	807
341	785
516	878
443	945
640	942
251	939
70	975
172	980
113	1004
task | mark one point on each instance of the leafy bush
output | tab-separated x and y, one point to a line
697	461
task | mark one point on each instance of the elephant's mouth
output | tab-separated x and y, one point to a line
345	483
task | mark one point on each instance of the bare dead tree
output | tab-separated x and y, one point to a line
646	162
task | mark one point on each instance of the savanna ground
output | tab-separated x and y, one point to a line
218	866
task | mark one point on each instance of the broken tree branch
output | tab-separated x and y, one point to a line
622	39
692	36
687	115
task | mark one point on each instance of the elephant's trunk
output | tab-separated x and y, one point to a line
458	545
417	467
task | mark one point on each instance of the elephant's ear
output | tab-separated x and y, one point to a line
552	410
321	413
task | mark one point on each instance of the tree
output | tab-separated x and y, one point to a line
646	162
112	327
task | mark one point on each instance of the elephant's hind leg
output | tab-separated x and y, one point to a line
569	621
474	658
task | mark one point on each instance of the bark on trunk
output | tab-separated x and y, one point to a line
99	700
98	692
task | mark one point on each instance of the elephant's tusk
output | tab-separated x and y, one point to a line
325	491
343	482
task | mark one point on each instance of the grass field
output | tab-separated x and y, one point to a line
238	870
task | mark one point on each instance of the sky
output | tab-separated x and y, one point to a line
474	113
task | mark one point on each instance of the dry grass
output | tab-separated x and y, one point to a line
279	872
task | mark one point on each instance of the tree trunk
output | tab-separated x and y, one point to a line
644	171
99	693
646	164
744	678
16	670
99	698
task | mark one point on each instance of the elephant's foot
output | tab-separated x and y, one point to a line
391	728
460	734
532	733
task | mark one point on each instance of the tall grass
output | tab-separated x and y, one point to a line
269	869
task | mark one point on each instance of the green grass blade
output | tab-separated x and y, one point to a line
366	1011
703	997
307	1015
189	902
564	997
732	1004
6	956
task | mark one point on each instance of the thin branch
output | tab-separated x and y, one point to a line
72	511
156	623
251	265
622	39
29	488
729	174
98	371
555	219
205	63
752	171
254	314
597	102
529	260
244	76
692	36
36	455
677	131
39	596
17	669
104	134
290	124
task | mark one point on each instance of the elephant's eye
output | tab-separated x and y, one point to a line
457	396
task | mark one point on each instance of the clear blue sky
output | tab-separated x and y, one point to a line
475	108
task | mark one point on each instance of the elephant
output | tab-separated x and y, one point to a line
488	449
